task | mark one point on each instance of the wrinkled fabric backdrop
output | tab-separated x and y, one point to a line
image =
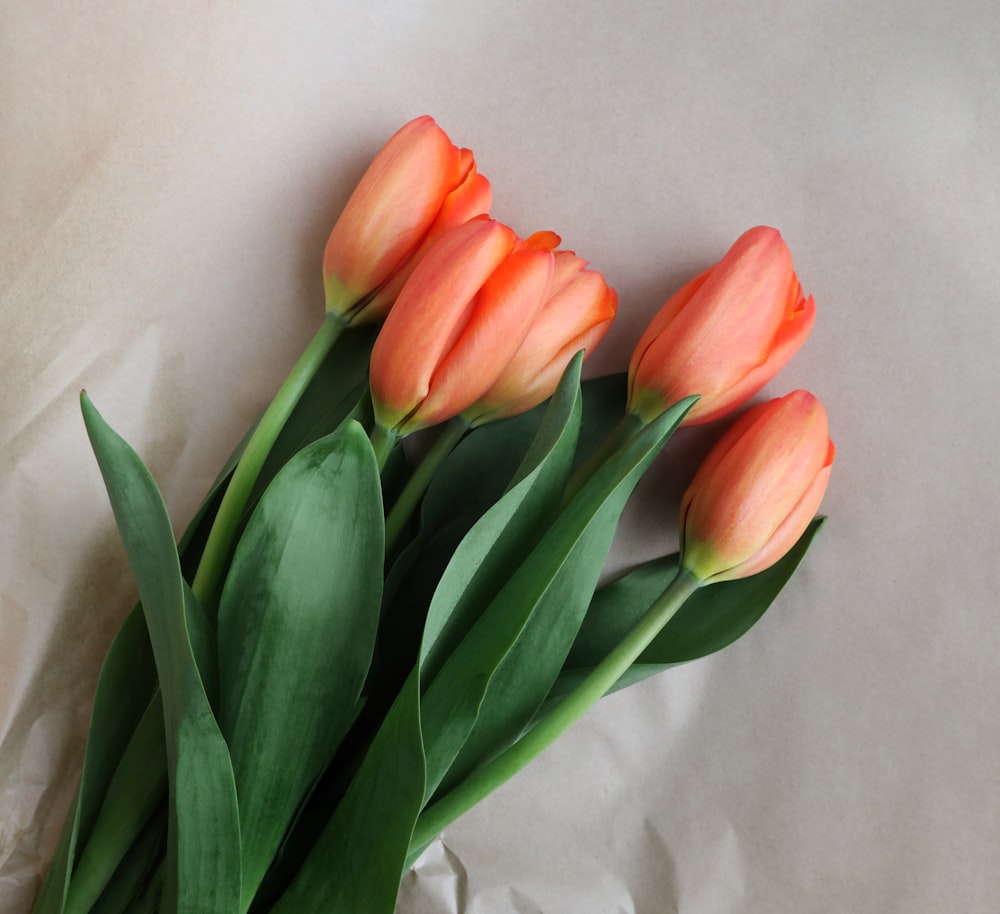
168	175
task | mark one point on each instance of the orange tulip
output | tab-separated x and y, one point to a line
725	334
576	315
458	321
418	186
757	490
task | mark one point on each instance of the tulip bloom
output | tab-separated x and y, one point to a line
724	335
418	187
757	490
458	321
576	315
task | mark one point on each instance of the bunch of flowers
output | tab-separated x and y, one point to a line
345	651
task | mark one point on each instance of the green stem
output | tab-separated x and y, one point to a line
628	426
482	782
383	441
417	484
220	538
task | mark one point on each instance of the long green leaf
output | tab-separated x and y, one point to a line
471	480
515	650
507	532
202	871
126	682
132	875
478	472
356	865
139	784
297	624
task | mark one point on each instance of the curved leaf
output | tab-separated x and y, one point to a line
496	679
139	784
357	862
297	623
203	865
507	532
126	683
478	472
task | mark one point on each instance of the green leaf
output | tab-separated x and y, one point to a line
131	876
202	871
139	784
470	481
493	682
713	618
356	865
126	682
409	589
507	532
478	472
137	789
297	624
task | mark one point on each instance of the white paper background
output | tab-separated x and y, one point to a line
168	175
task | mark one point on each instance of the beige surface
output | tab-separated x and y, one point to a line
168	174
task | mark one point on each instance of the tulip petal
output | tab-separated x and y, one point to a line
751	483
719	451
753	488
789	339
542	241
643	368
431	313
576	317
787	533
499	320
472	198
392	207
724	334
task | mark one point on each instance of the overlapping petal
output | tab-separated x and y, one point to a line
724	334
418	186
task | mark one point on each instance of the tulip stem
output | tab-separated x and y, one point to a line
417	484
628	426
383	441
220	538
561	718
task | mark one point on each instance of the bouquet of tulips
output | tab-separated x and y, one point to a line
349	648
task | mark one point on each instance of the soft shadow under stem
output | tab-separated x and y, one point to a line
482	782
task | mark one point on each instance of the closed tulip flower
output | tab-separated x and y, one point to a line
458	321
576	315
418	187
725	334
757	490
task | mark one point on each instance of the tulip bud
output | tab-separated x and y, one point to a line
458	321
576	315
757	490
724	335
418	187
